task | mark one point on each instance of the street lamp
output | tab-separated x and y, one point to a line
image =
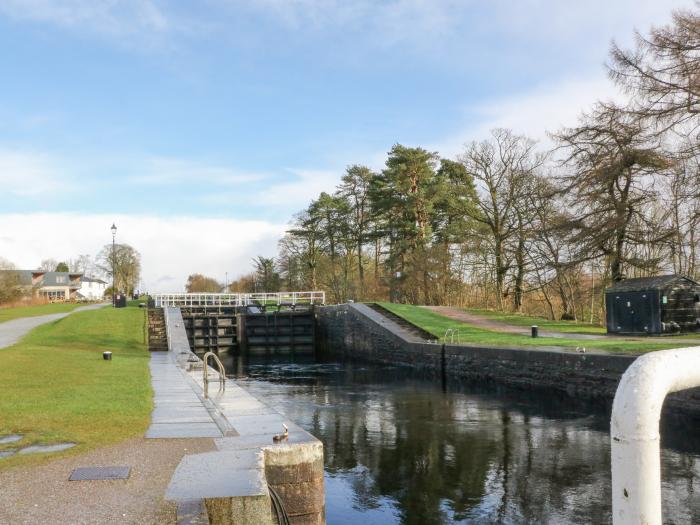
114	234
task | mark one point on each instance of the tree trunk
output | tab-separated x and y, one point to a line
360	268
520	268
500	272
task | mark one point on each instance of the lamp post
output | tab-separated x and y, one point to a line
114	234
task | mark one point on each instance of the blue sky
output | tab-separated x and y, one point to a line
233	114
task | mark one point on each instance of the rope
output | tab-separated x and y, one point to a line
280	511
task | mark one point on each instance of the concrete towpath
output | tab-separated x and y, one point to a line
12	331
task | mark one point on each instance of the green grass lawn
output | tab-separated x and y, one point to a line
437	324
571	327
15	312
57	388
136	302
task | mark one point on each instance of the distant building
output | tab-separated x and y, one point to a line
53	286
653	305
92	289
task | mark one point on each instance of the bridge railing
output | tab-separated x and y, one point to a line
240	299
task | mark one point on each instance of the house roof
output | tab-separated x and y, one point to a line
92	280
640	284
26	277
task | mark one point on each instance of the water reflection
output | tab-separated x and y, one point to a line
401	449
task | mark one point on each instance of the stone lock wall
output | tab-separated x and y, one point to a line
356	331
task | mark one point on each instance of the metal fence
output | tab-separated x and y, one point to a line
239	299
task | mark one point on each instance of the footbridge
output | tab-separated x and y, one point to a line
241	300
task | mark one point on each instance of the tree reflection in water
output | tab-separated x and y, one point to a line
400	448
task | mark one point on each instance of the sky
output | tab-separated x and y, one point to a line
199	128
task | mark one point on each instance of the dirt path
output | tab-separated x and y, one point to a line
499	326
43	495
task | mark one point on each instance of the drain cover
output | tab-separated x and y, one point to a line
99	473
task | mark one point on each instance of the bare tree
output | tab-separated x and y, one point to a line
83	264
126	263
10	286
663	71
614	165
198	283
501	167
47	265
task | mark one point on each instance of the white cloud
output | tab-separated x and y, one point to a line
171	247
163	170
305	186
112	17
28	174
432	24
547	108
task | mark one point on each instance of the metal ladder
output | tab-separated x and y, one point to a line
221	371
452	333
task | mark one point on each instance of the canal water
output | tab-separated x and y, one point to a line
401	447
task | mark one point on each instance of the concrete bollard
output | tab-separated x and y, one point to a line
295	471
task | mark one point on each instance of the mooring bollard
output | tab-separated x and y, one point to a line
534	329
107	356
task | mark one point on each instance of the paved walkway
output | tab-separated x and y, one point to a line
12	331
178	411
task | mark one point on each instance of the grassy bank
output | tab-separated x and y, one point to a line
570	327
15	312
437	324
57	388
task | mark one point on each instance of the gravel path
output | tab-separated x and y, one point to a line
12	331
40	495
499	326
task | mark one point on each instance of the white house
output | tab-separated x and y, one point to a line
92	289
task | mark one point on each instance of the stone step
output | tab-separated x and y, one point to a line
157	337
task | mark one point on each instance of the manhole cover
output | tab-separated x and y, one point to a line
99	473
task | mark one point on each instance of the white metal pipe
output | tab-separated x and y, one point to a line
634	431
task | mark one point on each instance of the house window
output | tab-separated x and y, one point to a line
54	295
61	279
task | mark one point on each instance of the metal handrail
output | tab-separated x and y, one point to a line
451	333
635	448
221	371
240	299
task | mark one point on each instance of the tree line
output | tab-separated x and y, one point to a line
510	226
